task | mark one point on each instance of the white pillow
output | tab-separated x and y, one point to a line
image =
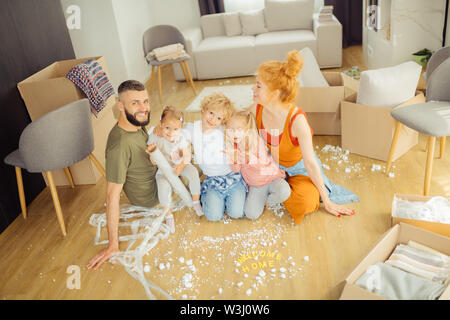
310	75
232	23
212	25
389	87
289	15
252	22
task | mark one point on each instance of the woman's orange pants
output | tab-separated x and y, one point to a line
304	198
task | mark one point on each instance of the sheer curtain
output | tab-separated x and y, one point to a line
243	5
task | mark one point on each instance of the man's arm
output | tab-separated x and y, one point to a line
112	221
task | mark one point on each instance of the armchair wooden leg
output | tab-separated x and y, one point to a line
69	177
184	71
97	164
398	128
429	165
160	84
442	149
190	77
152	78
56	203
23	203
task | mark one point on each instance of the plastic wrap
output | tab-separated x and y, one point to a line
146	224
174	180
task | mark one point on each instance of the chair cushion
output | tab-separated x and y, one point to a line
252	22
275	45
389	87
15	159
431	118
155	62
212	25
232	23
310	75
289	15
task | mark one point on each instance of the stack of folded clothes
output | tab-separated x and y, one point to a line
170	52
412	272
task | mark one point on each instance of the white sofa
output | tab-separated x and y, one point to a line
287	25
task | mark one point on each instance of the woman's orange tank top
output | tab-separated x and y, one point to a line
288	148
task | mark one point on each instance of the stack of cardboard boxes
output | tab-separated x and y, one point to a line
368	131
322	105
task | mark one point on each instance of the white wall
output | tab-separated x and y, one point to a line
244	5
132	19
415	24
98	36
114	29
179	13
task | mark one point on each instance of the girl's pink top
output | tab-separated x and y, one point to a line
259	169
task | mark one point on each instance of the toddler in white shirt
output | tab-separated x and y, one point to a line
176	148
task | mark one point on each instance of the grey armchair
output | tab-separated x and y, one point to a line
160	36
431	118
54	141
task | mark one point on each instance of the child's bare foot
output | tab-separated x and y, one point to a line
198	208
170	221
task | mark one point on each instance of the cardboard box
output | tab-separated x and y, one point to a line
322	104
368	130
436	227
48	90
400	233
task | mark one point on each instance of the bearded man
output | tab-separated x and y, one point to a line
128	166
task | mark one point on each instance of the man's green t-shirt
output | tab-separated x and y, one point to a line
127	163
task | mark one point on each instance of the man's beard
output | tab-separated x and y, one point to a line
131	118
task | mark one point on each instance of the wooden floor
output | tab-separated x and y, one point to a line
298	261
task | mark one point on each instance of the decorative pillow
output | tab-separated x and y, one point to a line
232	23
212	25
310	75
289	15
252	22
389	87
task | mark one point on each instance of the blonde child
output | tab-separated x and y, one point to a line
222	190
247	153
176	148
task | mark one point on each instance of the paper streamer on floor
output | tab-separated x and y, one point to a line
174	180
151	219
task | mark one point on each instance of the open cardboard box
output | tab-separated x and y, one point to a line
322	104
440	228
400	233
48	90
368	130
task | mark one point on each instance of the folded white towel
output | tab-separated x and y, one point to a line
176	47
173	51
171	56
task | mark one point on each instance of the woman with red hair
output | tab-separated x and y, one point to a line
286	131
